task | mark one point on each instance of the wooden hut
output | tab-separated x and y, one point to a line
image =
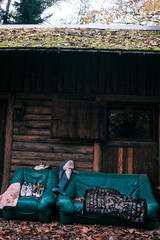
96	104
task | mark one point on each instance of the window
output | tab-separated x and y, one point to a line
130	123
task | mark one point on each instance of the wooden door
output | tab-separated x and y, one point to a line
131	145
2	136
131	158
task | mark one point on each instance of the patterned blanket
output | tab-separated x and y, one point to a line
110	201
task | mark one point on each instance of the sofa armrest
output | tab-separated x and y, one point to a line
153	210
145	191
47	200
65	204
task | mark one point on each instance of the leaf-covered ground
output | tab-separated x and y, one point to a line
21	230
80	38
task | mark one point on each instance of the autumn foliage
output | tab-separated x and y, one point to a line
143	12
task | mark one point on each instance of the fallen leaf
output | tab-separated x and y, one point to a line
85	229
24	232
56	236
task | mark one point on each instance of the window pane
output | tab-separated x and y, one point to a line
127	123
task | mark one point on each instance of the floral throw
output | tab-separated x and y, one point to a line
110	201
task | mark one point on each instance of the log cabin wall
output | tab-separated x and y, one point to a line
32	143
36	77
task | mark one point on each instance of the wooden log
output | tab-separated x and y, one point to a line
33	124
8	144
38	110
120	160
41	156
34	139
97	157
5	95
15	167
50	147
36	102
36	117
45	139
49	96
29	163
34	132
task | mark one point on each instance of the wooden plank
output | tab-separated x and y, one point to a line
101	75
121	75
141	75
159	145
5	70
156	76
97	157
125	159
130	160
120	160
8	144
40	74
110	159
3	106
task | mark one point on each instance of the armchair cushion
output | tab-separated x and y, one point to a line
32	208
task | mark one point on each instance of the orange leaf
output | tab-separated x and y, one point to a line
24	232
101	235
84	235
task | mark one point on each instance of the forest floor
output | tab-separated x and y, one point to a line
20	230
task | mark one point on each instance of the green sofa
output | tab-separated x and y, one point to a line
135	185
32	208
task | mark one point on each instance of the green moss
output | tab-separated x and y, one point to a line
80	38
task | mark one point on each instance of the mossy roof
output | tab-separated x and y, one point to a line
80	38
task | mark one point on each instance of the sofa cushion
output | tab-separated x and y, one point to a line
27	204
124	183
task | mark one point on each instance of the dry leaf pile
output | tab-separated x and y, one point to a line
19	230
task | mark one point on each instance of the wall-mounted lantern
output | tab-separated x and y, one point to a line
18	110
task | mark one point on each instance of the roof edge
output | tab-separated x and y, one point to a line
92	26
116	51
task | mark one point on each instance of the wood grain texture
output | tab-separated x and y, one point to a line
97	157
8	145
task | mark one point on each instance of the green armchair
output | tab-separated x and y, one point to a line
32	208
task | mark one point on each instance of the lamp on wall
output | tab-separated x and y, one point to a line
18	110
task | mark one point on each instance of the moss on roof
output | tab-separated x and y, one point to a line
142	40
